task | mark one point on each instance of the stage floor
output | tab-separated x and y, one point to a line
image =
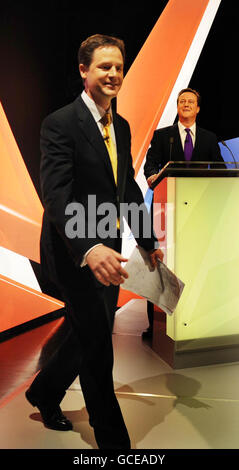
195	408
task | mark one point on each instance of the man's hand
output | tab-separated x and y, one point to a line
154	256
151	179
105	264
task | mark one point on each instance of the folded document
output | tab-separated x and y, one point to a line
160	285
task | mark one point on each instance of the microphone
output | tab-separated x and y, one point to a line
228	148
171	141
106	138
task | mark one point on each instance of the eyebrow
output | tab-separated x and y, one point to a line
107	62
189	99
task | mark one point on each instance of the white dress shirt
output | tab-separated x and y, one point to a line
97	112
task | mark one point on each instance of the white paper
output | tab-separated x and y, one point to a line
160	285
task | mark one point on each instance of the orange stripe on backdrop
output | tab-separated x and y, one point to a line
20	207
20	304
150	80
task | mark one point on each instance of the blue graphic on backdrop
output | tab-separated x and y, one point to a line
148	198
230	152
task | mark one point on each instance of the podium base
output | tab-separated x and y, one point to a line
192	353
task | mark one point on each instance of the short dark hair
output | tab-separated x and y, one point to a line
190	90
88	46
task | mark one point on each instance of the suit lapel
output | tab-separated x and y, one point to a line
196	150
122	167
92	133
178	152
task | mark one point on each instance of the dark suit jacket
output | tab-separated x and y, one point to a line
206	148
75	163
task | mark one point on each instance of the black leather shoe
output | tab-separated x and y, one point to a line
52	417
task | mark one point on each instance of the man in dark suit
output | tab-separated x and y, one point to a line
181	142
86	163
168	143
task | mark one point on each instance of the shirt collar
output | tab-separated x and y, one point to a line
97	111
192	128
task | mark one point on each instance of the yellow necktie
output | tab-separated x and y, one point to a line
109	143
106	120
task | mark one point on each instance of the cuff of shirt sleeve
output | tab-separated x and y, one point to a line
84	262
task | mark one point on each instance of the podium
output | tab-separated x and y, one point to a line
197	209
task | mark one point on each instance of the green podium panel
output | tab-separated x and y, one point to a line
202	243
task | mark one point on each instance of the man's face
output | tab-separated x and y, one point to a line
104	77
187	106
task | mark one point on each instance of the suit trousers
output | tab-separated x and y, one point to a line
87	351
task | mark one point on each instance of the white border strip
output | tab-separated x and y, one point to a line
17	268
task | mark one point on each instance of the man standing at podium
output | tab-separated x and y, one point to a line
185	140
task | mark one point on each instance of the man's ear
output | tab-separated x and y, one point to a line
83	71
